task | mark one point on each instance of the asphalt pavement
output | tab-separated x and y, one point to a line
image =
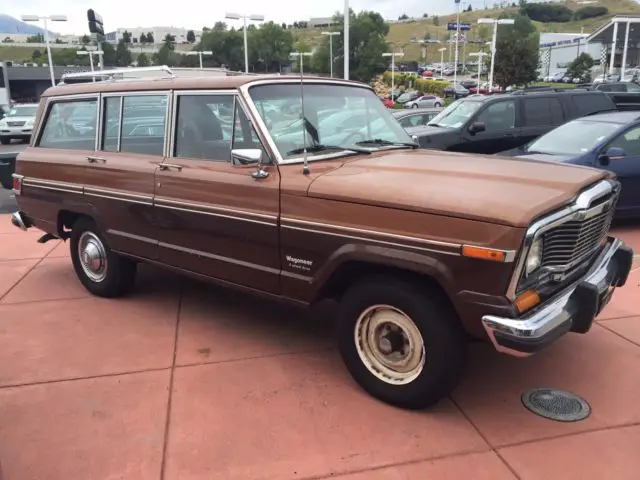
7	200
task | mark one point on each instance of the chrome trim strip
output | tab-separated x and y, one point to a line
226	91
216	211
51	185
120	116
575	208
168	117
98	136
118	195
548	316
131	236
220	258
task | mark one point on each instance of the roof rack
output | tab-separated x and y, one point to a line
116	73
528	90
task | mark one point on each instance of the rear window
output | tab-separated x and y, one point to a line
587	104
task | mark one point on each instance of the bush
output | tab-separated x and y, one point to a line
546	13
589	12
435	87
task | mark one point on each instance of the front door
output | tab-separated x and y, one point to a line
215	218
501	132
627	169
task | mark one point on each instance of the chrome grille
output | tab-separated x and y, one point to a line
16	124
571	242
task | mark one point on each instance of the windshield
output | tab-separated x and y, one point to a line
22	111
456	114
574	138
334	115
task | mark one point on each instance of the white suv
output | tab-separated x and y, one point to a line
18	123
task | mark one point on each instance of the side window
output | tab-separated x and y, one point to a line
498	116
629	142
245	136
204	127
111	123
542	111
71	125
143	121
586	104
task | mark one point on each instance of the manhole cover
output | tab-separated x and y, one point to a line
557	405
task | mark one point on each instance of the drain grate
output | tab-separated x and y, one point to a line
558	405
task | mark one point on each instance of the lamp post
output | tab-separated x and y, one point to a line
91	53
46	18
480	56
455	59
442	50
199	53
489	21
301	56
253	18
393	56
346	39
330	35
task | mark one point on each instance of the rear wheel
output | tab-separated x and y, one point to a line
415	105
101	271
400	342
438	104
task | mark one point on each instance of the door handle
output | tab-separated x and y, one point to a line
91	159
170	166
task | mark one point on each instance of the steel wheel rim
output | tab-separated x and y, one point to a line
93	257
389	344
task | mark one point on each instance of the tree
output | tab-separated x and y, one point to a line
85	40
483	33
191	36
143	60
404	16
581	67
7	40
36	55
150	38
516	52
123	55
436	21
367	34
39	38
109	56
169	41
269	47
469	9
143	38
425	15
126	37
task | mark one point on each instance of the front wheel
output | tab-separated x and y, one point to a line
415	105
438	104
101	271
400	342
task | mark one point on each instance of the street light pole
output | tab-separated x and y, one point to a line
455	60
199	53
442	50
46	18
330	35
393	56
346	39
244	18
91	53
502	21
301	56
480	56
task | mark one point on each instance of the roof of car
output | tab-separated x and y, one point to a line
414	111
622	118
179	83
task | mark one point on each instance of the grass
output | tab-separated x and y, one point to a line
15	54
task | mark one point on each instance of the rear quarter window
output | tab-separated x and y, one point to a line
588	104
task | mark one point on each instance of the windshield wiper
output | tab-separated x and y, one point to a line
435	125
319	147
381	142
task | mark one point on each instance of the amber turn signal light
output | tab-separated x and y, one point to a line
484	253
527	300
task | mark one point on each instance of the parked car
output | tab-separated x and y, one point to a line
484	89
425	101
415	116
407	97
491	124
609	141
469	83
629	87
418	248
17	124
456	91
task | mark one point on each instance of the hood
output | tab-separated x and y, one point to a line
507	191
547	157
423	130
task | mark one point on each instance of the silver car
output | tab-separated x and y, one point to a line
18	123
425	101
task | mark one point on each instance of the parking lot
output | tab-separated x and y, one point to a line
186	380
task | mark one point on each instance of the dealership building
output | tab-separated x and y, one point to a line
611	45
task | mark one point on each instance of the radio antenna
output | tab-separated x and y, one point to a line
305	164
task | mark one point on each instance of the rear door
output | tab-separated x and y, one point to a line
216	219
540	115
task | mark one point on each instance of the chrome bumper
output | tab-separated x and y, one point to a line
19	220
573	310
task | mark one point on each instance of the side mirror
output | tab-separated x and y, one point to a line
246	157
612	153
477	127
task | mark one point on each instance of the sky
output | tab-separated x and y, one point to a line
198	13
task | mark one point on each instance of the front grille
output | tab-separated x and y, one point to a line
16	124
571	242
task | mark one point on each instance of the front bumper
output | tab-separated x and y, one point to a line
23	131
572	310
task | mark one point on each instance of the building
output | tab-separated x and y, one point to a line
322	22
159	33
558	50
620	40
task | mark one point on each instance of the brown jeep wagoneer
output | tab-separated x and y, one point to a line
305	190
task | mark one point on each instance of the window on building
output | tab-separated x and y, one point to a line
70	125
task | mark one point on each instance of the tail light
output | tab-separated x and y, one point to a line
17	184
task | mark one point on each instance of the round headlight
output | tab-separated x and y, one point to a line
534	258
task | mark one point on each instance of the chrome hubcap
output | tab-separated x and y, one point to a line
389	344
93	257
